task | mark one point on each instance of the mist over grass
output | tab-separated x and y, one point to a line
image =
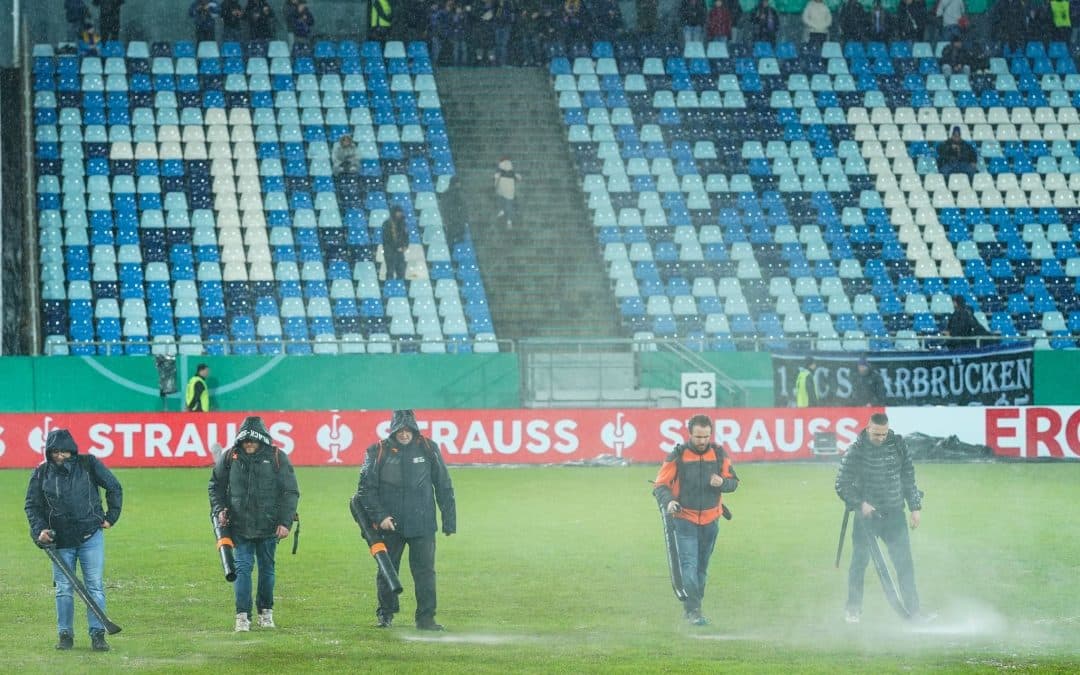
561	569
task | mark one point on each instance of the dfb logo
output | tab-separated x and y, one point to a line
38	435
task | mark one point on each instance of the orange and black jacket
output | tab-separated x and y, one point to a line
684	477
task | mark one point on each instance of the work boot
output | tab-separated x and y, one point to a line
266	618
429	625
243	625
97	641
66	641
383	620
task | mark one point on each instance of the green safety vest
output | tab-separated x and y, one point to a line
204	397
380	13
1059	9
802	395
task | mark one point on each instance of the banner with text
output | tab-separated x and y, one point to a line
465	436
989	376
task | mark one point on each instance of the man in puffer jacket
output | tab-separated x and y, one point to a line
402	479
63	505
253	490
876	478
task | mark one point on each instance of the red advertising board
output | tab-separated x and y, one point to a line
512	436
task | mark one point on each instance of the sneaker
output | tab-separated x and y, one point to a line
266	619
383	620
852	616
97	641
243	625
923	617
695	619
66	641
430	625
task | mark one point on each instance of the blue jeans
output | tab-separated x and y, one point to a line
91	558
247	551
696	544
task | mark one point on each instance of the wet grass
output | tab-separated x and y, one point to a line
562	570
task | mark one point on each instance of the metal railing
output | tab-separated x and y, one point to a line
271	347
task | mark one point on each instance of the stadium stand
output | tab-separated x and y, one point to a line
792	196
185	200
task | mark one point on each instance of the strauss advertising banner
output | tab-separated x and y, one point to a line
465	436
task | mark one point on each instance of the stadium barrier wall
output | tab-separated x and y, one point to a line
549	436
1056	381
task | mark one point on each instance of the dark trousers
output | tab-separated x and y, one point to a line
892	529
395	263
422	567
696	543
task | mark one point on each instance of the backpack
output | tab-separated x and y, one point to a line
720	453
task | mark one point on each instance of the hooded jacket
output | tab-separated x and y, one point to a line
406	481
66	498
881	475
259	489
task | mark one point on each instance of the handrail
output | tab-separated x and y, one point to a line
29	205
737	392
112	348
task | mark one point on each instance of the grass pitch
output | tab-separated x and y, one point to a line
562	570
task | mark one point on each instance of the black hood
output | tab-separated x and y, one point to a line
403	419
61	439
253	428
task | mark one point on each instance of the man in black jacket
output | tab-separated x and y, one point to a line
876	478
867	387
253	490
402	479
63	505
956	156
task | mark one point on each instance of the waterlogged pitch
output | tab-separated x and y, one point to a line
563	570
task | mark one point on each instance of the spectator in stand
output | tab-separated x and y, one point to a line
647	12
952	13
77	14
288	15
505	14
204	15
964	326
301	24
573	17
766	22
1037	20
89	40
910	20
607	20
452	208
1008	21
345	156
380	20
816	18
692	14
457	32
395	241
853	21
1061	15
955	58
439	28
956	156
506	181
878	29
232	21
483	33
1074	19
109	19
720	22
260	16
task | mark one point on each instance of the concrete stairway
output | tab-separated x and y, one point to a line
544	277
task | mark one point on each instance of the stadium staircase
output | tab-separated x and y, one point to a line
491	113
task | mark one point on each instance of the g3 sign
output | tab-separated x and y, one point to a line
698	390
